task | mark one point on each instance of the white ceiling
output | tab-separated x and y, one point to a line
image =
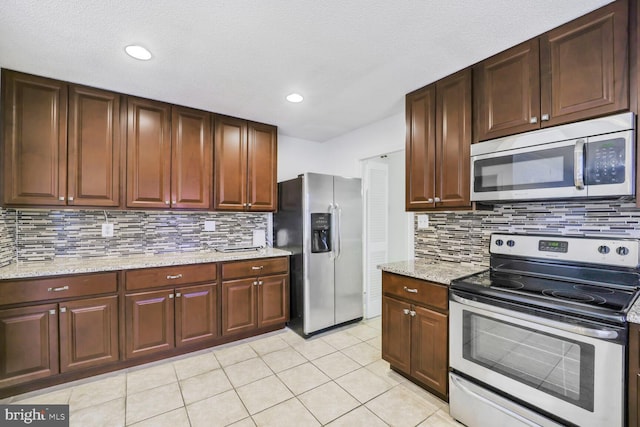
353	60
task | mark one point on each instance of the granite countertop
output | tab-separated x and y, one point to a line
63	266
434	271
633	315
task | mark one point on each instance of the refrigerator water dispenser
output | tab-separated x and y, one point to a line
320	232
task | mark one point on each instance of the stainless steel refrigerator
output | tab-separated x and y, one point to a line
319	219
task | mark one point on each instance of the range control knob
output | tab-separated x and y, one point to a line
621	250
511	243
603	249
499	242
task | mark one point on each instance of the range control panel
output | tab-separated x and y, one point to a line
605	250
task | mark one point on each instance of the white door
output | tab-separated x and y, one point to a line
376	196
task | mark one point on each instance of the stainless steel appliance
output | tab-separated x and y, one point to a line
319	220
593	158
540	338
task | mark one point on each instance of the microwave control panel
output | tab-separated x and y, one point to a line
605	162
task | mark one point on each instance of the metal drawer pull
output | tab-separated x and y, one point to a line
258	267
61	288
412	313
170	296
177	276
52	312
545	118
413	291
63	309
533	120
406	311
178	294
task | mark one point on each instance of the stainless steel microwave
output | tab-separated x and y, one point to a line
594	158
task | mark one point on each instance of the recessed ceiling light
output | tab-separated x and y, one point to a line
138	52
294	97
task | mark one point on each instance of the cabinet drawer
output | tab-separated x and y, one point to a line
254	268
29	290
173	275
415	290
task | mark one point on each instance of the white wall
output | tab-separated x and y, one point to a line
377	138
398	218
296	156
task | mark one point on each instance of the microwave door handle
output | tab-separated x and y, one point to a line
578	164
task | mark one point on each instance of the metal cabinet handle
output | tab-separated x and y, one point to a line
63	309
410	290
52	312
429	200
166	202
249	204
533	120
60	289
259	267
61	198
174	202
412	313
178	294
170	296
177	276
544	118
70	199
255	283
405	311
260	282
437	199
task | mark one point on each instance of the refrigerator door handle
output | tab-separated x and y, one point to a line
332	212
339	230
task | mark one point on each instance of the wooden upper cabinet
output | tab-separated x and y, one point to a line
507	92
585	66
574	72
192	158
245	165
453	140
262	161
35	140
438	144
230	163
93	147
148	154
420	148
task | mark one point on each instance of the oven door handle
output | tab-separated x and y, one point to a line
603	334
458	383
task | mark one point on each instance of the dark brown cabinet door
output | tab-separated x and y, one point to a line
192	158
29	349
585	66
507	92
88	333
230	164
396	333
149	322
420	149
429	362
261	167
273	301
35	140
196	314
93	147
239	306
453	140
148	154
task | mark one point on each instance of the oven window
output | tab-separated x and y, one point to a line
558	366
549	168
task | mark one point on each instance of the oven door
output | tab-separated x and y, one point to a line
547	364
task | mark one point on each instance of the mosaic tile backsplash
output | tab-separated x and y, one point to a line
42	235
464	236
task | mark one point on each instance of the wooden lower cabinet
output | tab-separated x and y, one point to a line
254	303
88	332
414	336
161	320
28	344
149	322
196	314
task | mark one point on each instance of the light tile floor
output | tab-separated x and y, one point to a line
278	379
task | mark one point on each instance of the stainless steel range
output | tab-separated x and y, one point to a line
540	338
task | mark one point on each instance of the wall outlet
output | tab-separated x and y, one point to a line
107	230
209	225
423	222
